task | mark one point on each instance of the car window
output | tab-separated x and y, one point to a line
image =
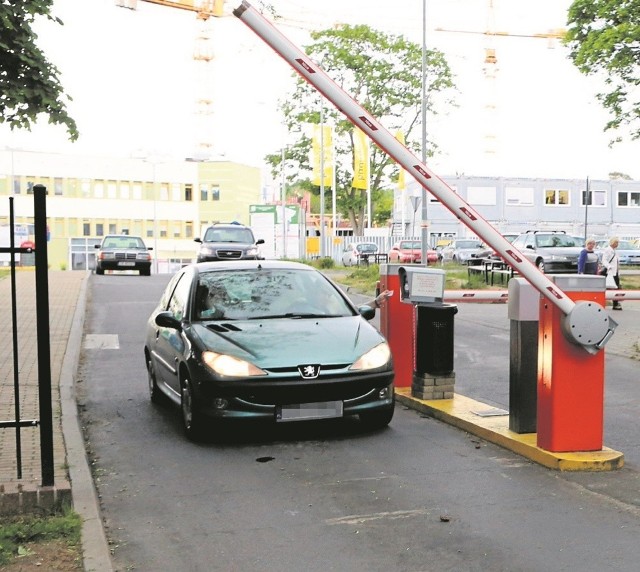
264	293
179	297
468	244
243	235
366	248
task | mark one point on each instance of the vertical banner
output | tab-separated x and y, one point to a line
360	160
322	150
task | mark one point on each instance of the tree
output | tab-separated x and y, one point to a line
603	38
29	84
384	74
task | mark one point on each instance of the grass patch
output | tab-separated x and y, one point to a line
19	533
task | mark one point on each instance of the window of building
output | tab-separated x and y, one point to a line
124	190
628	199
176	231
204	193
163	230
58	227
481	195
518	196
86	188
99	229
556	197
111	190
98	190
595	198
73	227
16	185
215	193
113	228
188	193
175	192
164	192
137	227
30	184
137	191
188	229
86	229
57	186
150	226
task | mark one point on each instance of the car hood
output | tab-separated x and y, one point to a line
273	343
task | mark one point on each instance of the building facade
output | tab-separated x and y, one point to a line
167	203
580	207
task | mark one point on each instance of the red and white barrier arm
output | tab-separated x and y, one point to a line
310	71
502	297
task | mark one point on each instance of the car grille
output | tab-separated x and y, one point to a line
125	255
228	254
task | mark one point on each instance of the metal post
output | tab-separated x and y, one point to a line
424	229
42	334
283	200
322	233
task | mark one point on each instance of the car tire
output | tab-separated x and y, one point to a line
145	272
100	271
377	419
192	419
155	395
540	265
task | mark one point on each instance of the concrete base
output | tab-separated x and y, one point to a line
459	412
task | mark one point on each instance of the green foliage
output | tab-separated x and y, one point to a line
17	531
384	74
29	84
603	39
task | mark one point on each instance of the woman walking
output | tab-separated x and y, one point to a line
611	263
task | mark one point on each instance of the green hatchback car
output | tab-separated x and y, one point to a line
265	340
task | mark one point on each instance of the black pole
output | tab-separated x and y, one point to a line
587	201
42	322
14	319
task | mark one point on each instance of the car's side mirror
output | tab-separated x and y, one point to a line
260	241
166	320
367	312
198	239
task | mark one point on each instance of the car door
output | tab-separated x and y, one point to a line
170	343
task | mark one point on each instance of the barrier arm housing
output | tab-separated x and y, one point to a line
579	315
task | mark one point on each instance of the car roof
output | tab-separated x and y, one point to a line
250	265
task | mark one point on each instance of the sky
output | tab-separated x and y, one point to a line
135	85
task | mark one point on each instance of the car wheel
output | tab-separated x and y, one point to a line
192	419
155	394
99	271
377	419
540	265
145	272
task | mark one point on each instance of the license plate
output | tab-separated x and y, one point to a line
126	263
304	411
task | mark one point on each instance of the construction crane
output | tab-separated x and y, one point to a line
491	69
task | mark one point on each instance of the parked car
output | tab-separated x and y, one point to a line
265	340
408	251
628	253
550	251
228	242
355	252
462	250
123	252
510	236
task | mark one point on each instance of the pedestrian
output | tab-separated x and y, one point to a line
588	259
611	264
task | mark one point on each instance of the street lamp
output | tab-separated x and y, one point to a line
154	189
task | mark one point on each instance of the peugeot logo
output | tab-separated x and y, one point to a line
309	371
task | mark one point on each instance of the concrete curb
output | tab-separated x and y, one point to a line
459	412
95	548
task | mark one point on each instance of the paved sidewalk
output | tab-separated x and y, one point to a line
73	483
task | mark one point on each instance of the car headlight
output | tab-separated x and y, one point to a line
252	251
230	366
374	358
144	256
107	256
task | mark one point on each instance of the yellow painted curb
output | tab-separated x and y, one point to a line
459	412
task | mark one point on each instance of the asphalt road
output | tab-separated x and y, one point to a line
419	496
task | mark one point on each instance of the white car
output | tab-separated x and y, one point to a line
356	252
463	249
